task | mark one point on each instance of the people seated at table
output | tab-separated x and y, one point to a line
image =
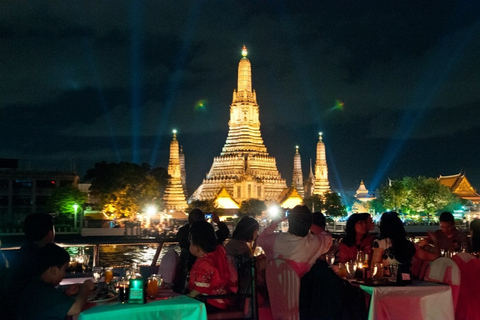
301	245
39	231
186	260
210	274
40	299
448	238
392	245
356	237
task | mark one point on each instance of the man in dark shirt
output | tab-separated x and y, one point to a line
39	231
448	238
183	237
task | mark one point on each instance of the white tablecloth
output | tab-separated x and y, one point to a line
422	300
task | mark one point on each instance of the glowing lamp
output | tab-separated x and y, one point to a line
151	210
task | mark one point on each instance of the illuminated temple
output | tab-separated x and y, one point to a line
244	168
174	196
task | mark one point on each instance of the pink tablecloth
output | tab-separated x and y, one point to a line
419	301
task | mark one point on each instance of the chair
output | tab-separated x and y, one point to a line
245	299
283	285
468	306
445	270
168	266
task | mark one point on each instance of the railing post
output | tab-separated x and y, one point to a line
96	254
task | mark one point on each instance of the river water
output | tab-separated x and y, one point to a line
117	255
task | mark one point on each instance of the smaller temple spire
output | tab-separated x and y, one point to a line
297	181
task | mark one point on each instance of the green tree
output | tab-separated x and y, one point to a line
252	207
395	195
429	195
125	188
62	200
315	203
333	205
376	205
204	205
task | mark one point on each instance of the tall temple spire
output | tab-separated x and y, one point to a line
297	173
174	196
244	166
244	73
321	169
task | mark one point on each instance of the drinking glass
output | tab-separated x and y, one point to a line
394	271
377	270
108	272
330	259
122	289
73	264
97	273
342	270
351	268
152	286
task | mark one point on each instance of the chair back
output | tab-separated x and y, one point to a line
445	270
168	266
283	285
468	306
244	301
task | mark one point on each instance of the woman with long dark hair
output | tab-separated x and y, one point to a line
356	238
243	239
392	245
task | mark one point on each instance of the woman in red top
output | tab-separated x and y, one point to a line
356	237
210	274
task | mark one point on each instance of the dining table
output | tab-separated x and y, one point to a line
418	300
166	308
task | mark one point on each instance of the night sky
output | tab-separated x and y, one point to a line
87	81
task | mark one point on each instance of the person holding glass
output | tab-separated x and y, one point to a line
356	238
392	246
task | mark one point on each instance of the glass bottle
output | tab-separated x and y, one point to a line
136	286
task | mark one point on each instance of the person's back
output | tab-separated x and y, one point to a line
40	299
299	247
39	230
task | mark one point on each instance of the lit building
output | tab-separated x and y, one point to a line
244	167
309	183
27	191
321	184
461	187
174	196
297	173
362	193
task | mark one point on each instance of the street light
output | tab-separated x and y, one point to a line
75	208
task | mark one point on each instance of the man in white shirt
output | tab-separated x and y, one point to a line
301	246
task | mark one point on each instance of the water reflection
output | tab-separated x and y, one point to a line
119	255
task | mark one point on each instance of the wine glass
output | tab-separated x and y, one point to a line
375	268
97	273
351	268
330	259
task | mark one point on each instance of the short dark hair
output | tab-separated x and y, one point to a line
245	228
318	219
299	221
447	217
203	235
37	226
50	255
196	215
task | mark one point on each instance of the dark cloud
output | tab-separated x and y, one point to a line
75	75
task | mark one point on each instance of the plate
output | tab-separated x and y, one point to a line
108	297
